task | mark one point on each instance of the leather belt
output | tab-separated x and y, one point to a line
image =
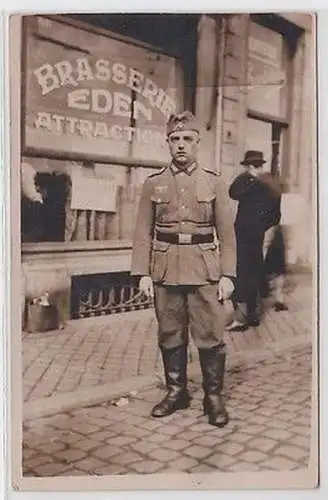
184	239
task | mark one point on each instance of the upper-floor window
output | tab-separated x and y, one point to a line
267	71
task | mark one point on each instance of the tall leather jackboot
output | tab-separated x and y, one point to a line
175	369
212	362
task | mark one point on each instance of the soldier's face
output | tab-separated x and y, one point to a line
183	146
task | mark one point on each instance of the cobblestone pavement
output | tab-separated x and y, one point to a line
92	352
270	409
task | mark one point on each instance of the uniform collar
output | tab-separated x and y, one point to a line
175	169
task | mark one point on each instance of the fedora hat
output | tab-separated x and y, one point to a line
252	156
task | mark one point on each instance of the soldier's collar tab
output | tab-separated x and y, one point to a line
175	169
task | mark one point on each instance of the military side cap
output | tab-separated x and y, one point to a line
181	122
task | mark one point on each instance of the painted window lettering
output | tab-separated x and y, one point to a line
59	124
103	101
72	73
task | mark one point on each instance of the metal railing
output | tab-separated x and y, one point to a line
92	298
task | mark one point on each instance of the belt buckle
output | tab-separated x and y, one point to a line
184	239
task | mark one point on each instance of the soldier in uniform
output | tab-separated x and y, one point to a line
183	214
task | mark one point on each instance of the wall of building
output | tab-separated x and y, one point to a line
307	173
300	170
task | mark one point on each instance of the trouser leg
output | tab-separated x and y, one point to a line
264	283
241	311
246	315
207	326
171	312
250	279
239	324
279	303
254	292
252	303
279	288
206	315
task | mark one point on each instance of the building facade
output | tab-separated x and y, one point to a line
96	93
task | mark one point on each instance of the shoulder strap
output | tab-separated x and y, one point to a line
158	172
210	171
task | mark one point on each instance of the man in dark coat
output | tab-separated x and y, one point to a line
182	210
258	195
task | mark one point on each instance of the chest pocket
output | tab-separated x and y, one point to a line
161	204
205	202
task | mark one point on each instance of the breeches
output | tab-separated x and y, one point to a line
180	308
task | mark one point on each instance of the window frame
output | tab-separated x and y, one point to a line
291	36
287	55
277	128
75	245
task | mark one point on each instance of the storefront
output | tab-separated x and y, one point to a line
96	93
269	105
95	103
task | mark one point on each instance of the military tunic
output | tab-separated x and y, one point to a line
185	275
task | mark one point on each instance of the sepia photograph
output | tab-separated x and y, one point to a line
164	251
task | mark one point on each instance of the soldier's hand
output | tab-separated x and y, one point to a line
226	288
146	286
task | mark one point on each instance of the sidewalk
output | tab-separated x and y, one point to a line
269	430
100	352
85	413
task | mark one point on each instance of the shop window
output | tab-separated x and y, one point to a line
63	214
98	94
271	97
81	201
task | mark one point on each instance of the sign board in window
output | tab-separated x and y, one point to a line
266	71
93	194
89	93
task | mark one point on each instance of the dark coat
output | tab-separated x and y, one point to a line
258	202
258	210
